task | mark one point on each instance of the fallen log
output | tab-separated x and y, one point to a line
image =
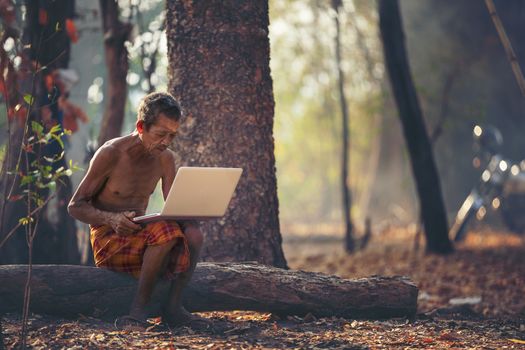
69	290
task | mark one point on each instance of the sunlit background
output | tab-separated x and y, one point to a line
458	65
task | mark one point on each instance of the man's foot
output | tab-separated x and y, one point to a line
131	323
185	318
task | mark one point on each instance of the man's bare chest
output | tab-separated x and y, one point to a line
133	178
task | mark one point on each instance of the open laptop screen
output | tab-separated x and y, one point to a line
198	192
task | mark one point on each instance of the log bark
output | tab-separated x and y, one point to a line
69	290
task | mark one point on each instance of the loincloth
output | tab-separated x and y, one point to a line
125	253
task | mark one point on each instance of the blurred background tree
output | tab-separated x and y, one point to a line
39	61
308	133
462	78
418	143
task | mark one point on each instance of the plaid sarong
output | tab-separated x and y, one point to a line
125	253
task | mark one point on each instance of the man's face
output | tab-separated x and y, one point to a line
160	135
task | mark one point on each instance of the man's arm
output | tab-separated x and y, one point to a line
168	171
81	205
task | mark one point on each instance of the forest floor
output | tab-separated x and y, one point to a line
471	299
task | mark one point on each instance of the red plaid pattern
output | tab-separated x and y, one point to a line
124	253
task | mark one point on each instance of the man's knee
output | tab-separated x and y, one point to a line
161	249
194	236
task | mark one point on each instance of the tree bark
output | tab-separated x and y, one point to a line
69	290
419	148
115	35
218	55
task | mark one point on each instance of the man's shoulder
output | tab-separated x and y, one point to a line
110	151
167	159
167	155
119	143
115	147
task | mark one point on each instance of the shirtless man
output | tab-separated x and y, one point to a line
117	186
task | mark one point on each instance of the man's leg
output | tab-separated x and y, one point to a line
153	265
174	312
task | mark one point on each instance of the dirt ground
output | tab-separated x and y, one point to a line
471	299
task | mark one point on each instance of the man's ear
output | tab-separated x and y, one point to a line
140	126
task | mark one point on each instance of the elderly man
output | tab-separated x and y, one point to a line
117	186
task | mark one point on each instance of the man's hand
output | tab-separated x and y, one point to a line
122	223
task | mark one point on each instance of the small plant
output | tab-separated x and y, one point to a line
33	163
38	185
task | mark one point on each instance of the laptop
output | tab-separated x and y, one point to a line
197	193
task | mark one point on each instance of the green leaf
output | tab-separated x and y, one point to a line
52	185
37	127
26	179
46	172
29	99
40	185
55	129
25	220
33	195
58	139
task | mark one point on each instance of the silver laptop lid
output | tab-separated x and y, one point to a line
201	191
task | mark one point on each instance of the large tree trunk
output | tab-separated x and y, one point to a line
70	290
421	157
115	35
219	71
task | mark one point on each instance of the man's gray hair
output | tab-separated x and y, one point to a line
155	103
